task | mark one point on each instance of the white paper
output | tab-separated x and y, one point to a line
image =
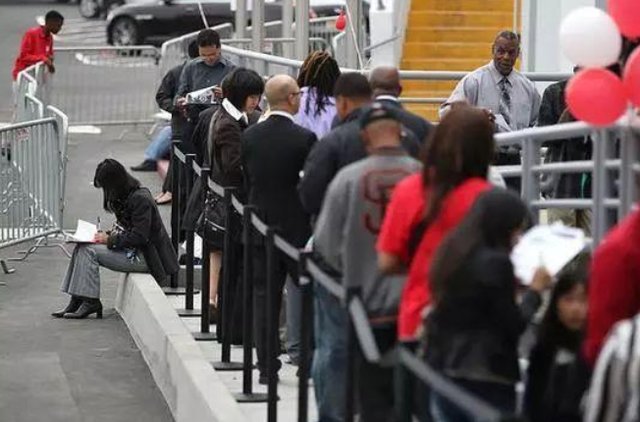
85	232
202	96
197	246
549	246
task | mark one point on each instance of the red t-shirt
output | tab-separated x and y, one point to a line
614	284
36	47
404	212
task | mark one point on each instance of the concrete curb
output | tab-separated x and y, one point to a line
191	387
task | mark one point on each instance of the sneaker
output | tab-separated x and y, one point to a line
146	165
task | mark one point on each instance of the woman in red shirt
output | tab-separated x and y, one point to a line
424	208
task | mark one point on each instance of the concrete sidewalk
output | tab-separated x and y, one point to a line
62	370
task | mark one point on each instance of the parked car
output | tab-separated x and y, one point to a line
91	9
157	21
325	8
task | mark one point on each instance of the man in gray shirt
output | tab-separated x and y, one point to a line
207	70
345	237
505	92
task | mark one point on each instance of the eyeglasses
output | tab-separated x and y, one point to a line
296	93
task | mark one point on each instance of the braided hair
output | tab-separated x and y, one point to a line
320	71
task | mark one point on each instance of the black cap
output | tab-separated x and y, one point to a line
377	111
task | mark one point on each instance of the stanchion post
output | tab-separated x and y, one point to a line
204	334
272	329
352	292
247	395
175	206
306	290
225	305
188	310
404	394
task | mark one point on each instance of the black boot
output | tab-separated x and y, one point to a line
88	307
73	306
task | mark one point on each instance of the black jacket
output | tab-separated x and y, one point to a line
145	232
340	147
273	154
473	332
419	126
164	98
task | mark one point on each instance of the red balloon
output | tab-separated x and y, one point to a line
632	77
626	13
596	96
341	22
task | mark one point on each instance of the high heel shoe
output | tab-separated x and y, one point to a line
73	306
88	307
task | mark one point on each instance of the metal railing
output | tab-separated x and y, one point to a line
243	219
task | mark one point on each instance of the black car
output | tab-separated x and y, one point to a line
157	21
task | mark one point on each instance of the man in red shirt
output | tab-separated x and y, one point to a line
614	286
37	44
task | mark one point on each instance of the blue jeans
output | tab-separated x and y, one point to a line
330	355
501	397
160	145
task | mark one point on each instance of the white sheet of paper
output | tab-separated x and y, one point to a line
550	246
85	232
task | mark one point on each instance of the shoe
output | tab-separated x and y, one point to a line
264	379
73	306
213	314
146	165
164	199
88	307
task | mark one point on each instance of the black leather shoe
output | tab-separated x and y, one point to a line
88	307
73	306
146	165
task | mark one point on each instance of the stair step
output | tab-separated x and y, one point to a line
427	111
448	50
442	64
444	33
480	5
461	18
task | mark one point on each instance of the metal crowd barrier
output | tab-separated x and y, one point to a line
106	85
358	330
32	181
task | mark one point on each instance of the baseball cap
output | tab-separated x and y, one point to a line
377	111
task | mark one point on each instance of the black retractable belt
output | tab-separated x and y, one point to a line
247	395
188	310
225	306
205	333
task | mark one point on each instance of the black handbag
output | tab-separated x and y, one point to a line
211	223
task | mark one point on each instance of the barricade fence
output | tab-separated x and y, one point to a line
360	338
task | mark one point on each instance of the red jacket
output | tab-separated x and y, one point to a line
36	46
614	286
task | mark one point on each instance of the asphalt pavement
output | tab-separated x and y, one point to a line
62	370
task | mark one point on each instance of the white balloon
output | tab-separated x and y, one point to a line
589	37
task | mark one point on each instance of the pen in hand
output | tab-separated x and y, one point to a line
98	226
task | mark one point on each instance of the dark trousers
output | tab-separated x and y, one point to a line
376	383
510	158
500	396
283	266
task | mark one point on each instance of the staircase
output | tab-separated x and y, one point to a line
449	35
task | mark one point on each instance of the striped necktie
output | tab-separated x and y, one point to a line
505	100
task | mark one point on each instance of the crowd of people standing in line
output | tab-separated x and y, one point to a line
408	211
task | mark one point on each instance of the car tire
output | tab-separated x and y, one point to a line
90	9
124	32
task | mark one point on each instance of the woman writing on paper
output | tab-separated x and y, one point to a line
138	243
475	323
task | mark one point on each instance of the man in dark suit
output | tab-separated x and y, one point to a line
273	154
385	83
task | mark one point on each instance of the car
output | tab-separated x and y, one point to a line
326	8
158	21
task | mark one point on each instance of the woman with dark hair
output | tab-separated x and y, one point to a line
557	376
317	77
424	208
242	90
138	242
475	323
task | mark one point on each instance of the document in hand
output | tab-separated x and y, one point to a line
204	96
550	246
85	232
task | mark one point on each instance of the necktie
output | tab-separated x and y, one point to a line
505	100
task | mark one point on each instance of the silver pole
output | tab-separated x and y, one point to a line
257	26
241	18
287	27
598	185
302	29
353	33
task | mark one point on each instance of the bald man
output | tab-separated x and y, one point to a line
273	154
386	86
